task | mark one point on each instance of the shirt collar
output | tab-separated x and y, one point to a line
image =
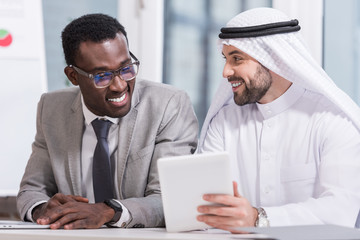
282	103
89	116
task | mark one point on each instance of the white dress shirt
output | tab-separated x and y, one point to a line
89	142
297	157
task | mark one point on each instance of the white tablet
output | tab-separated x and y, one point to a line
184	180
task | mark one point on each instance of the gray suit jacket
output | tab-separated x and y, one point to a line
161	122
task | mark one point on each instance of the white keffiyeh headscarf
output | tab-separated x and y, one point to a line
286	55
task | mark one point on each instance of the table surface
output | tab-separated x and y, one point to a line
118	233
282	233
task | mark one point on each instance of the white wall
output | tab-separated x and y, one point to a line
23	79
341	60
143	21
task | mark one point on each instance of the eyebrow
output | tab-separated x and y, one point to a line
236	52
123	63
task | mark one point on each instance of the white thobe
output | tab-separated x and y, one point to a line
297	157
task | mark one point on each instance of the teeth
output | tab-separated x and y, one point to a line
236	84
117	99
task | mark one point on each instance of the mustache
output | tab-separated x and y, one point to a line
235	78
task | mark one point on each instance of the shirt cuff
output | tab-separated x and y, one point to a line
29	212
125	218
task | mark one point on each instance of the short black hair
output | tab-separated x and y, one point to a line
91	27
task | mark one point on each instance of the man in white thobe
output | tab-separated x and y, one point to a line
292	134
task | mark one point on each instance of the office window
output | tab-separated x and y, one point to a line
57	14
192	59
342	44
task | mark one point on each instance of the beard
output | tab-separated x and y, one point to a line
255	89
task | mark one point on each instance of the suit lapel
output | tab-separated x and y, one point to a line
74	135
126	130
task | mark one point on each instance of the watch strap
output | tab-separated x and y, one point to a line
117	208
261	220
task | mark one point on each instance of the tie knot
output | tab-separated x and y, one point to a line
101	128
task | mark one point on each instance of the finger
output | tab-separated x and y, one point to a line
77	215
83	223
222	211
42	214
43	220
66	219
79	220
62	199
236	192
59	199
49	217
79	198
53	202
223	199
52	215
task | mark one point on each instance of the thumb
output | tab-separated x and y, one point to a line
236	192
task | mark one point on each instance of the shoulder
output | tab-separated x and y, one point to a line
148	87
66	94
318	104
61	99
233	112
161	101
233	116
324	114
158	93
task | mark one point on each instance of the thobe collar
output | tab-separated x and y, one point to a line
89	116
282	103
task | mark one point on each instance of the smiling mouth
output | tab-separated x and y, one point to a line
120	99
236	84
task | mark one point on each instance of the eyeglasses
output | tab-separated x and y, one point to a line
104	79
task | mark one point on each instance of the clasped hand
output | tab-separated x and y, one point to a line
228	212
72	212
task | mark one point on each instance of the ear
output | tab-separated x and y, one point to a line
72	75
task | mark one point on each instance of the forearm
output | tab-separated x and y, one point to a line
146	211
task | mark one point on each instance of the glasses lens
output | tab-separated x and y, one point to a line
129	72
103	79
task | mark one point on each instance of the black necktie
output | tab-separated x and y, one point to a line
102	180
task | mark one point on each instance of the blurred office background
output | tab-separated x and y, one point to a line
176	42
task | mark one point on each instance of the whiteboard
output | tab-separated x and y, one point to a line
23	80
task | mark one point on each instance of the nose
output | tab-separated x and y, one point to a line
117	84
227	71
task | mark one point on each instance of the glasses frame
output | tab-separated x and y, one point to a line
114	72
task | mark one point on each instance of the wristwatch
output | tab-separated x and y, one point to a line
117	208
261	220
